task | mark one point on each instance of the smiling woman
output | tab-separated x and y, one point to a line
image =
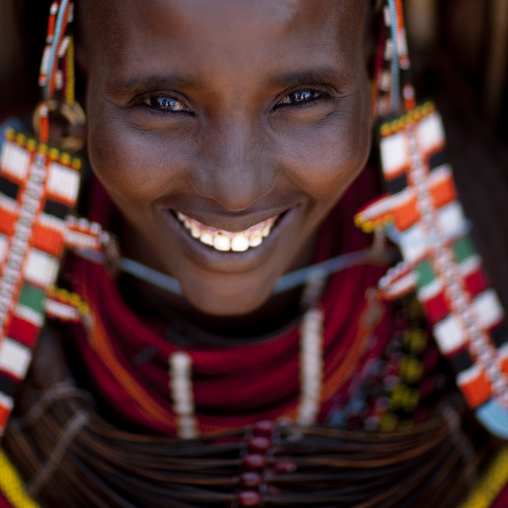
220	333
255	131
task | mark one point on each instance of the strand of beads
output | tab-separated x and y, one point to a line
180	385
66	306
311	366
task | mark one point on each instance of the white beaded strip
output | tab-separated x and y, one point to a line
28	211
311	366
83	234
180	385
461	305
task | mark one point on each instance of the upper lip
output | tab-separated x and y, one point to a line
233	222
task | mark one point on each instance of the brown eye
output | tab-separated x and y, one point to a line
300	97
164	103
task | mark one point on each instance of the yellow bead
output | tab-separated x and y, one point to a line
65	159
31	145
20	139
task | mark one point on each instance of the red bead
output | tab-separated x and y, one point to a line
284	467
254	461
250	479
264	428
259	444
249	498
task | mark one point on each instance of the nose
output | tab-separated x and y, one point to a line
236	168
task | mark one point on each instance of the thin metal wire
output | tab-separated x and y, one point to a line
285	283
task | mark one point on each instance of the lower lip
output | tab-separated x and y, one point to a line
208	258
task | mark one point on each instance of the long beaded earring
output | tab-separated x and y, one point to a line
38	190
422	214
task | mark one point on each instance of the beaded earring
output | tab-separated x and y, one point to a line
38	190
421	213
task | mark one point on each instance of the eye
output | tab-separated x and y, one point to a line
165	103
299	97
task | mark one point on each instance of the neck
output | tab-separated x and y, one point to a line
164	308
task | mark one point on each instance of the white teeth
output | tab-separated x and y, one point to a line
225	241
207	239
221	242
195	231
240	243
256	239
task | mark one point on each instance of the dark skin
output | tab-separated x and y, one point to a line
230	112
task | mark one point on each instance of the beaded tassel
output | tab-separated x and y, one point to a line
422	214
392	84
38	190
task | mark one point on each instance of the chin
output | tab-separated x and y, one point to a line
227	296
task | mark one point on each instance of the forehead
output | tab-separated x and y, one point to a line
203	33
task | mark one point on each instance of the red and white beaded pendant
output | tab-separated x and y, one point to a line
424	217
39	186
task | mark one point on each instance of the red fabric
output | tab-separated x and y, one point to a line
502	499
232	386
3	502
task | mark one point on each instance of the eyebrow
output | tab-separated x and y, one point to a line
153	82
325	75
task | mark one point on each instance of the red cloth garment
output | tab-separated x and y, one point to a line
3	501
502	499
232	386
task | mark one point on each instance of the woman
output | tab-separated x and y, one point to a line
229	144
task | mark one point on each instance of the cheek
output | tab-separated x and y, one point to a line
132	163
326	159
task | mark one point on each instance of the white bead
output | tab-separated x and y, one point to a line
180	361
184	407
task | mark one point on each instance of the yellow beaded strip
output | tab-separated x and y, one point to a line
54	154
491	484
415	115
70	85
12	486
71	299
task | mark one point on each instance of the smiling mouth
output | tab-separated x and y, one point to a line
226	241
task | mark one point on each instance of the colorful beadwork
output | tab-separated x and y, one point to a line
65	306
492	483
440	260
38	189
391	85
12	486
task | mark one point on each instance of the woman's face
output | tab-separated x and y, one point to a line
230	122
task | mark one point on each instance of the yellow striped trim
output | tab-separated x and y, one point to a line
11	485
491	484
